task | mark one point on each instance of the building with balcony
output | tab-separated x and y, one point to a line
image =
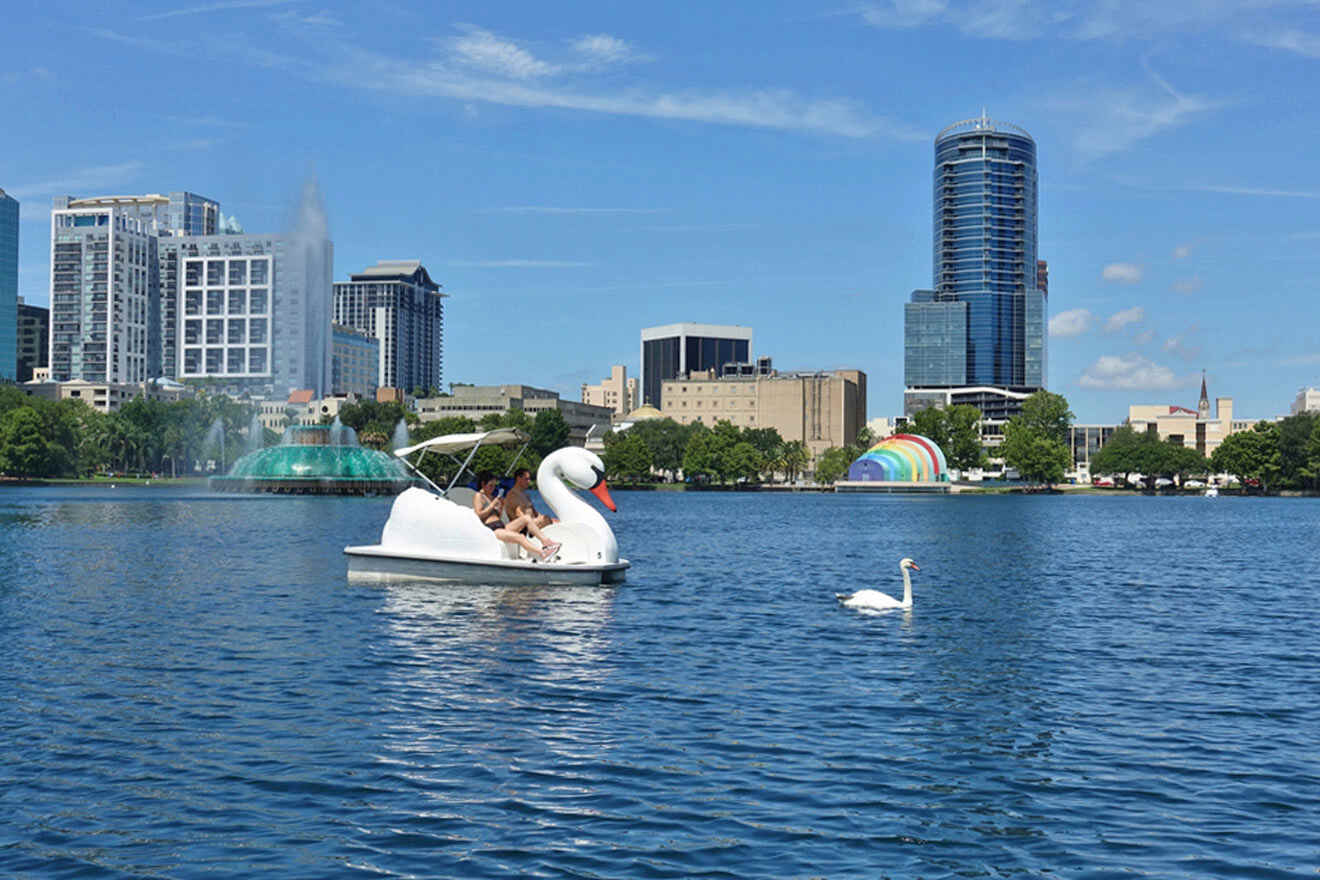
983	323
397	303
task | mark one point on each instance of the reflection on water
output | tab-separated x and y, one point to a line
1086	685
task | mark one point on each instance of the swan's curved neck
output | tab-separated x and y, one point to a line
569	508
907	588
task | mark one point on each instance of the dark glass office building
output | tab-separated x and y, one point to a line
676	349
985	265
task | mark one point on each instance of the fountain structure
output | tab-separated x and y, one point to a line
317	460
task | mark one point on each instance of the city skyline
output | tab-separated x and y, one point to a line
570	178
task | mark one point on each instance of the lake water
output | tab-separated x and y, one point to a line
1086	687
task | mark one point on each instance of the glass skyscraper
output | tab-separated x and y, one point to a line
8	287
985	300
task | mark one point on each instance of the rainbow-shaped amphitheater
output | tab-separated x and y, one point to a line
901	458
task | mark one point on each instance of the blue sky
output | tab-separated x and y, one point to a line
573	173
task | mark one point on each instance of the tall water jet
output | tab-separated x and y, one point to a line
400	439
337	432
256	436
311	263
215	438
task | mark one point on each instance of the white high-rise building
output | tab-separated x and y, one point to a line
103	285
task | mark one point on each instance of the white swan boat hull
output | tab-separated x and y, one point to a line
377	564
436	536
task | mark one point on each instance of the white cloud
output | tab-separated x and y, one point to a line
1288	39
1073	322
483	50
1144	337
1302	360
763	108
605	49
1123	273
1180	347
1188	285
79	181
1182	252
1128	372
1119	320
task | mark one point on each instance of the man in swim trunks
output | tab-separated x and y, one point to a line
518	503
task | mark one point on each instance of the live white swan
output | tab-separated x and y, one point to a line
874	600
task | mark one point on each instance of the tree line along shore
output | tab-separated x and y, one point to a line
42	439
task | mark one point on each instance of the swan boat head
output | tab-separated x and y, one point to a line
581	468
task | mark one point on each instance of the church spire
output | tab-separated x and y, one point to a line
1203	405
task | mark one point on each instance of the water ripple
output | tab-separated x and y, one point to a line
1090	686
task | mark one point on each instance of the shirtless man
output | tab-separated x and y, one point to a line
518	503
487	508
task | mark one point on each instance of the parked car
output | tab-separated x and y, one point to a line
1193	484
1161	482
1103	481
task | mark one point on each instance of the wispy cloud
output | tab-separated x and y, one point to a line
1253	191
1073	322
207	121
603	49
1289	40
1122	273
214	7
1119	320
483	50
164	47
1179	346
17	76
1188	285
1113	119
1182	252
554	209
1113	20
702	227
322	19
1129	372
79	180
1301	360
480	67
519	264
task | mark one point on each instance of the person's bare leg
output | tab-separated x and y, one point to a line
526	522
522	540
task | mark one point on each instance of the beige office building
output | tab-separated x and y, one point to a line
821	409
618	392
1196	428
1307	400
475	401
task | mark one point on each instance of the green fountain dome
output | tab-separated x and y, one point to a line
316	459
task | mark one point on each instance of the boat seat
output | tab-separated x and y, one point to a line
462	496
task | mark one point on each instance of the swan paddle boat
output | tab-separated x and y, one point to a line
436	535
